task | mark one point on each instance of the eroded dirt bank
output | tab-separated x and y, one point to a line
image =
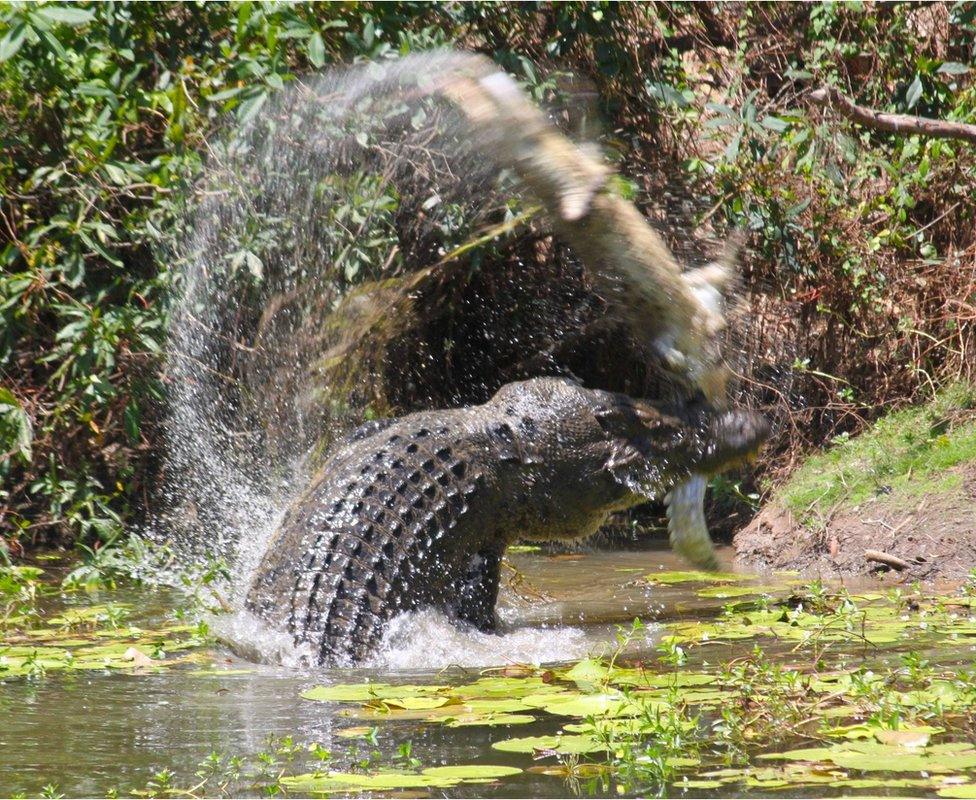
927	536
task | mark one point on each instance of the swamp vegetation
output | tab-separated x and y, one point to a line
123	666
741	685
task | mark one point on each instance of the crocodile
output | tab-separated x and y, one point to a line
417	511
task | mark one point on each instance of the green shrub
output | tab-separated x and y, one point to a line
859	240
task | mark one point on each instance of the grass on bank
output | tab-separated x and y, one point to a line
904	454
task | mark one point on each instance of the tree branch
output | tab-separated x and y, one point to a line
831	97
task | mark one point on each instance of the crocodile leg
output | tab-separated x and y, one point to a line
477	591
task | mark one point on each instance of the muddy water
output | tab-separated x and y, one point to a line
90	733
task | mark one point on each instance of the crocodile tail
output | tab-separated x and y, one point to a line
686	523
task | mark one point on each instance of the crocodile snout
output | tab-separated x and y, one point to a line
734	437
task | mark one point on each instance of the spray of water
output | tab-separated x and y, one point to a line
346	181
335	193
311	227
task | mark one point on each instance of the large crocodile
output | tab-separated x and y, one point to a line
417	511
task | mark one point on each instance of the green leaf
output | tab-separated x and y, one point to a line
952	68
52	43
388	780
798	74
68	15
694	576
225	94
723	592
316	50
249	108
722	109
13	41
666	93
353	781
774	123
464	772
914	93
14	415
131	421
487	720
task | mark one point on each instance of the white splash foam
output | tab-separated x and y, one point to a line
429	640
251	639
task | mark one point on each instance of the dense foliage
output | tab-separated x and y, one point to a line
861	272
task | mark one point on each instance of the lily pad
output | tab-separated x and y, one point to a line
487	720
388	780
694	576
364	692
468	772
966	791
722	592
575	704
570	744
876	757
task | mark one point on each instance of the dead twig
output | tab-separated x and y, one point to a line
831	97
887	559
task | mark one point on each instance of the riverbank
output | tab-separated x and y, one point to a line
898	502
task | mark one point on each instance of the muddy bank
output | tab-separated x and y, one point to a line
929	536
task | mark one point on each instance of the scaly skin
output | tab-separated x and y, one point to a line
417	511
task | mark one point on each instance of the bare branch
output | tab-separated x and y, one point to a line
831	97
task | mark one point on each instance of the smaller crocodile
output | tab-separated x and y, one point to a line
417	511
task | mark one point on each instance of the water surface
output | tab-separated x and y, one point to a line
89	733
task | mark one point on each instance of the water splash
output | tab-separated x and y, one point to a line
428	639
334	193
312	224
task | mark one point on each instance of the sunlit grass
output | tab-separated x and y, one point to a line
904	454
